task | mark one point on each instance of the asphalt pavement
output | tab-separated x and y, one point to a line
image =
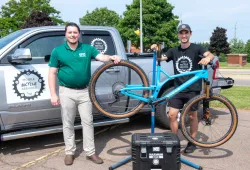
113	145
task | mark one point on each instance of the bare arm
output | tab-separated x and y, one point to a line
52	85
208	57
105	58
52	80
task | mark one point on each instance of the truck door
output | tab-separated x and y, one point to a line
26	85
103	41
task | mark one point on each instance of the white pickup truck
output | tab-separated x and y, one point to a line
25	108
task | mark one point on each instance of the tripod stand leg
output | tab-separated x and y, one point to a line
124	161
191	164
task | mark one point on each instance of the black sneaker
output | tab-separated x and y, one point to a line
190	148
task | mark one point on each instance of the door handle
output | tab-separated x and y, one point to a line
112	70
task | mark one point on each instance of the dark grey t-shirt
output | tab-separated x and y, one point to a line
186	60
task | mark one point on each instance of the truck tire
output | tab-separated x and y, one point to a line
161	115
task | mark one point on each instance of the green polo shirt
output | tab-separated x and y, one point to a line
74	66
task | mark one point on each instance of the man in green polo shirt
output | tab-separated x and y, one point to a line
71	63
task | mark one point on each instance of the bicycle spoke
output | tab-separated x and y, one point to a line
108	83
214	122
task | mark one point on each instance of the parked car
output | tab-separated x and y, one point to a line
25	108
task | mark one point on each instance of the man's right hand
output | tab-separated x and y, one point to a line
55	101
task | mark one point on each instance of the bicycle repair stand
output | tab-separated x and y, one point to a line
128	159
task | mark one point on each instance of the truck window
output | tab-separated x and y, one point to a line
42	47
101	40
7	39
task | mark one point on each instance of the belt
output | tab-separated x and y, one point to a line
78	88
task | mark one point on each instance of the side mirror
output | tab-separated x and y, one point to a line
47	58
20	56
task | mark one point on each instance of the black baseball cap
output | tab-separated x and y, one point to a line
184	27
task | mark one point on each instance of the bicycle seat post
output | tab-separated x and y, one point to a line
158	55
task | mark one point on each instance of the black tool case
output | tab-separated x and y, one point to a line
158	151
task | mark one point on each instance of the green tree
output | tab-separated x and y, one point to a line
247	50
37	19
159	23
18	11
204	44
7	25
100	16
218	42
237	46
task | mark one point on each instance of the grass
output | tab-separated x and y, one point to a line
239	96
225	66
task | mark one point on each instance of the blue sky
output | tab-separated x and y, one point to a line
202	16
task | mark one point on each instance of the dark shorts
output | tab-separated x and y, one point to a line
180	99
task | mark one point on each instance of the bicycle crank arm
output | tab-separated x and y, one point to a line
160	101
111	103
117	99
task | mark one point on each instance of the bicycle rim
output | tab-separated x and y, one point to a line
106	83
217	121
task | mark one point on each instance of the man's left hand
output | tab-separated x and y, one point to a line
115	58
204	61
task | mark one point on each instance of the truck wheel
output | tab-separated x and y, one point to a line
161	115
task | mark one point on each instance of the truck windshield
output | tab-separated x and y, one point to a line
7	39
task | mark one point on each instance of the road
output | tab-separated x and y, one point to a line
113	145
241	76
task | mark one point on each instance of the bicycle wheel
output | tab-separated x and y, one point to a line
106	82
217	120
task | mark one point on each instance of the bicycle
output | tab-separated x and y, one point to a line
135	95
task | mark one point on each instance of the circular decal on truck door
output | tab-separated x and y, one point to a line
28	84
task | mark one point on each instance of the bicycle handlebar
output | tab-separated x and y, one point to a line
158	57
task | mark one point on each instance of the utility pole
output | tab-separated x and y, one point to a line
181	19
235	28
141	42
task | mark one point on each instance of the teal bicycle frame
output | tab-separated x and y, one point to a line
156	85
153	100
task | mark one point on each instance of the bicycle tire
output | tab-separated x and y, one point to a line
222	101
93	96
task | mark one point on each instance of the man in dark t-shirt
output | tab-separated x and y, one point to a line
186	58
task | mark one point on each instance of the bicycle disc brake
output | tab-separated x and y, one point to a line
116	92
206	116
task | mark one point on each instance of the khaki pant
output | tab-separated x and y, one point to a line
71	100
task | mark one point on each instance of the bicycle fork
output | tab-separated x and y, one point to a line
206	111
